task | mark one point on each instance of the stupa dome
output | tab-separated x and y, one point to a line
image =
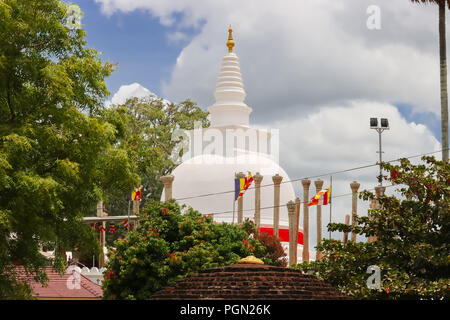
212	178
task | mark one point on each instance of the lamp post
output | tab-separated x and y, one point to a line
384	125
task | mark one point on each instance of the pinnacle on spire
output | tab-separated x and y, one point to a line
230	108
230	42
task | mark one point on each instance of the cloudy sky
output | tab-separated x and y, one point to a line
311	68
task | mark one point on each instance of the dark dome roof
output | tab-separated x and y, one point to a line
249	281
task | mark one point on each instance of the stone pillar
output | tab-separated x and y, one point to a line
136	207
240	217
167	181
379	192
319	184
354	186
297	221
347	222
258	179
276	202
136	213
102	235
375	204
306	183
100	209
292	247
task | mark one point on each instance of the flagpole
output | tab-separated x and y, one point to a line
331	200
234	197
128	212
234	204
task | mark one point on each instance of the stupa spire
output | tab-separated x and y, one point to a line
229	108
230	42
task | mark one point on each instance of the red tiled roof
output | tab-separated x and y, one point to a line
61	286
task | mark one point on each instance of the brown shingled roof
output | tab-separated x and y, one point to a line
249	281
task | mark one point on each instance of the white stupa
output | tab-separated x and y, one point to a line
205	181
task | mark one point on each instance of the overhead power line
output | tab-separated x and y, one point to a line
282	205
311	177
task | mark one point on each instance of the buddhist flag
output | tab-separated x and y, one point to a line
321	198
137	194
112	228
99	226
241	185
126	224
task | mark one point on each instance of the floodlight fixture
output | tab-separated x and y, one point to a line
384	125
373	123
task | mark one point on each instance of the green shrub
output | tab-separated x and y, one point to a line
169	244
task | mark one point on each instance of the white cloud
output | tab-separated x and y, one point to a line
176	37
296	55
129	91
338	137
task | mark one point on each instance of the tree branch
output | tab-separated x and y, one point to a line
38	44
8	100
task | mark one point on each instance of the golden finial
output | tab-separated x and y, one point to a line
251	259
230	42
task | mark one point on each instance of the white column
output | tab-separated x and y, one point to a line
375	204
354	186
276	202
297	222
292	247
347	222
167	181
319	184
306	183
102	235
258	179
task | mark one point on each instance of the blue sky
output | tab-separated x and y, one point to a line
136	41
427	118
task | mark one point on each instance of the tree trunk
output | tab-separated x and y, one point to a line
444	95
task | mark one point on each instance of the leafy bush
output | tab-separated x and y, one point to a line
169	244
412	244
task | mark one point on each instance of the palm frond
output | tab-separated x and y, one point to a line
432	2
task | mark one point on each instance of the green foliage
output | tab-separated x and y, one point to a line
56	151
169	244
146	127
412	245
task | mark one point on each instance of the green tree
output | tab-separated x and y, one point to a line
412	244
443	71
56	152
171	242
146	128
